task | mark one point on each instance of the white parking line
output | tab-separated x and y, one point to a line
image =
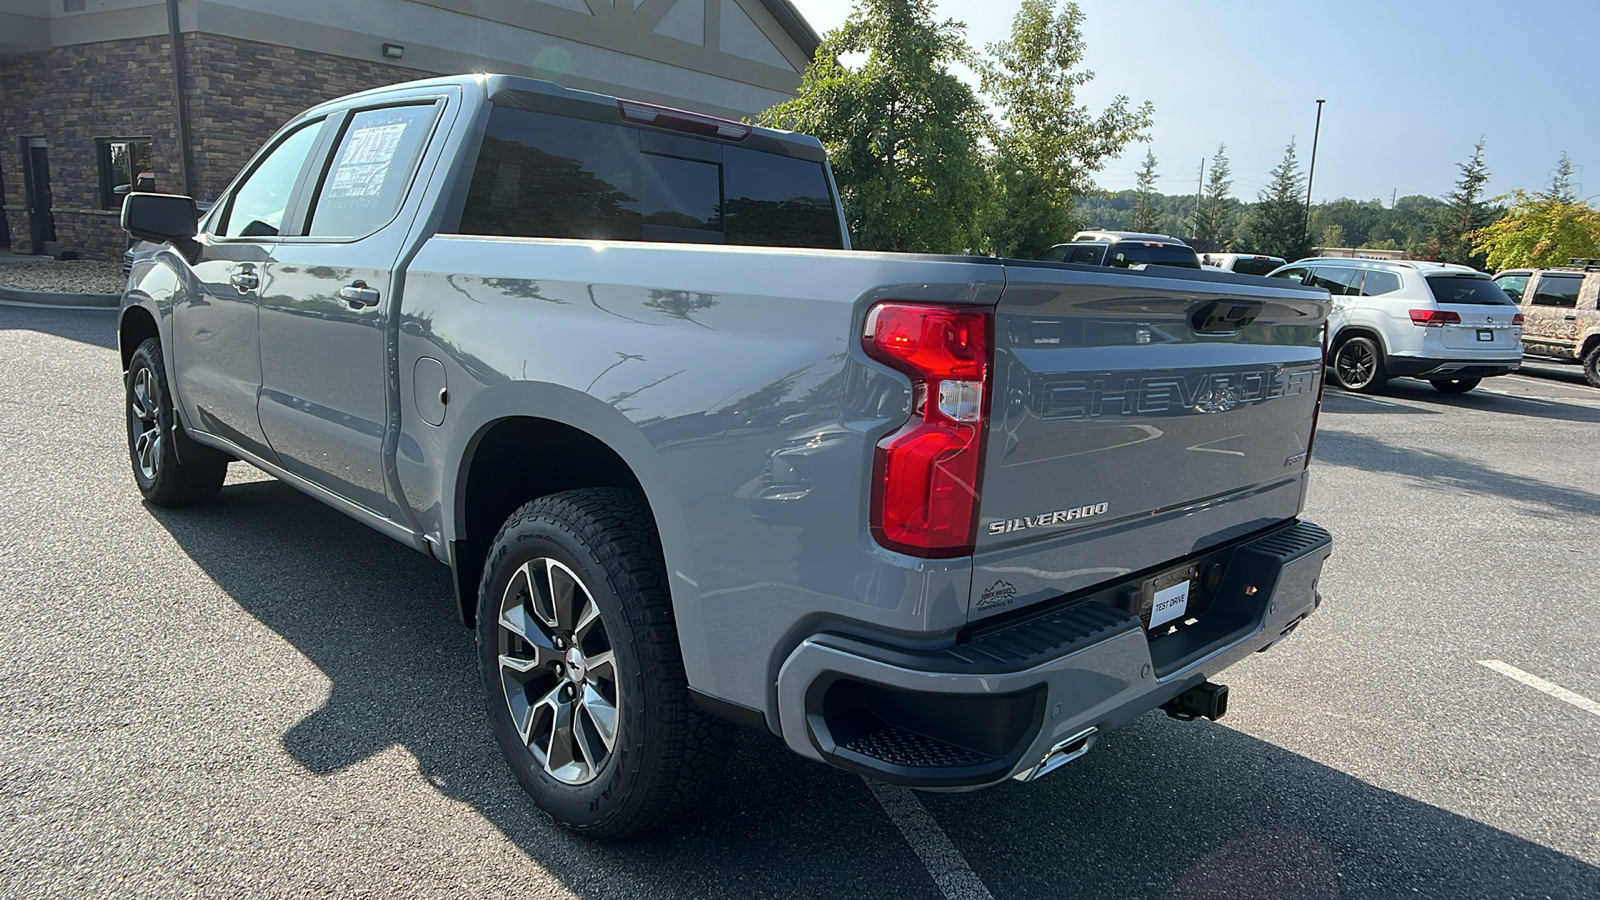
1539	684
1359	397
1515	397
944	862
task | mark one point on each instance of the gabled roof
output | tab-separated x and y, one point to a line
794	25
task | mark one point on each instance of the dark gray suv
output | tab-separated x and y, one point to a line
1124	250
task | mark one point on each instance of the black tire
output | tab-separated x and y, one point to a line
665	750
1591	365
1358	365
152	424
1454	385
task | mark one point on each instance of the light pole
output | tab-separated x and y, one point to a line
1312	174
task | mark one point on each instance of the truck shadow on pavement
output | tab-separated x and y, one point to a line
97	327
1158	810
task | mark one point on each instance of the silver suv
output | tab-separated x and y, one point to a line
1449	325
1124	250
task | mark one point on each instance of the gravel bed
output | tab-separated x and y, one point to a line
87	276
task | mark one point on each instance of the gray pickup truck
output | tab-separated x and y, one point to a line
939	521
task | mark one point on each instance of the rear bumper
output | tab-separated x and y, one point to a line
1414	367
998	704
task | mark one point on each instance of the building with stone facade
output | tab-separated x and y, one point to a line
96	95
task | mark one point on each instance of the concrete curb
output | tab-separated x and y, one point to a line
60	299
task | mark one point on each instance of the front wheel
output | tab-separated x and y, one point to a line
152	424
581	666
1454	385
1591	366
1358	366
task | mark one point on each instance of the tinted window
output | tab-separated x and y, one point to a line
1088	256
1513	285
1248	266
1133	253
1380	283
1557	290
1339	281
1057	253
257	207
371	171
1297	275
1467	289
540	175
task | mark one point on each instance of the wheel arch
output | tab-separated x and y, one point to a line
530	440
1349	331
134	327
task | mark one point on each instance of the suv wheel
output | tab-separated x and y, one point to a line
581	667
1454	385
152	424
1591	365
1358	365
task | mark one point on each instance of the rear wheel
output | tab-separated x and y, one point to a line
1454	385
580	663
1591	365
1358	365
152	425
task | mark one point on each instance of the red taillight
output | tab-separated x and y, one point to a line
1434	318
926	476
1516	319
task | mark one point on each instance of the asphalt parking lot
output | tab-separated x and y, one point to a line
262	698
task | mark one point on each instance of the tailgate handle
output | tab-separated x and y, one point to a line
1225	316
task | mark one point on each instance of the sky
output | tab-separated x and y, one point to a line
1410	86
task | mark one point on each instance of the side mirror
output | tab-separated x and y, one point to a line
162	218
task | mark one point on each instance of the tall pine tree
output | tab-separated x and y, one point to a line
1213	216
1464	213
1146	216
1278	222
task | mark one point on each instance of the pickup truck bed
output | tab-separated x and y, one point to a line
939	520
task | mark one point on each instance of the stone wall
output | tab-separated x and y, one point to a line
239	93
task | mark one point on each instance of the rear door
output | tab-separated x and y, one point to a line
1134	419
1551	326
326	391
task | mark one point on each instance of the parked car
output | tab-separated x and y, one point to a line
1561	318
1243	263
933	520
1124	250
1449	325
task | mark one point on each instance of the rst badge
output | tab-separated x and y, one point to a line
1046	520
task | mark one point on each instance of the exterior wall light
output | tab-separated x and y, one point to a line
393	51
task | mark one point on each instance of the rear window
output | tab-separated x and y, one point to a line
1467	289
1133	253
1256	266
1380	283
542	175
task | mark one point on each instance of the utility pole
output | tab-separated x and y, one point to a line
1198	188
1312	174
1392	195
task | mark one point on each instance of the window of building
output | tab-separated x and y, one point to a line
126	164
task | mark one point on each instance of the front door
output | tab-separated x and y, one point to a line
41	215
325	322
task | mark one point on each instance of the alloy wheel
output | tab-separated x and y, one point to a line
1356	364
144	411
558	671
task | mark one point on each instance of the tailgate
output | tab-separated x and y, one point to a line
1136	419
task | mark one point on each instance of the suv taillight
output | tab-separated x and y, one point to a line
1434	318
1517	319
926	476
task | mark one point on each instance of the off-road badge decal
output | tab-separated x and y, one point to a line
1000	593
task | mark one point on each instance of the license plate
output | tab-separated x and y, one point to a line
1169	596
1486	336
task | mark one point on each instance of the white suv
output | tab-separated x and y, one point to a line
1450	325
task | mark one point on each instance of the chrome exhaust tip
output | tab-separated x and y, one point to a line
1061	754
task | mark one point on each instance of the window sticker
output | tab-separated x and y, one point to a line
362	172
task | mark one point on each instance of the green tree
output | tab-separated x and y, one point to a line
1545	229
1560	188
901	131
1047	146
1213	215
1278	221
1333	236
1146	216
1464	213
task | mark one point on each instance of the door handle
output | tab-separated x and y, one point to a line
1571	318
245	281
358	295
